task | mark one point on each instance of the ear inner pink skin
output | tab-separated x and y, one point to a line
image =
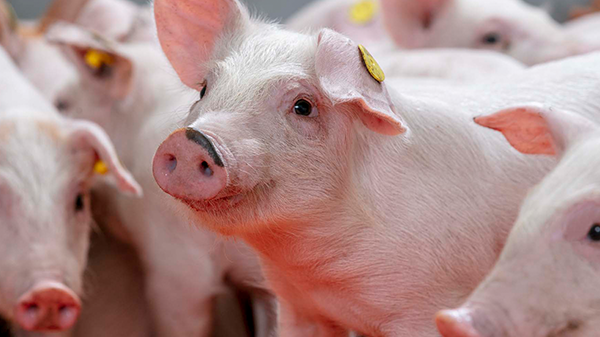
187	31
526	130
93	136
345	79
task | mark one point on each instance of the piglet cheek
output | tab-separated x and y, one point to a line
307	127
248	160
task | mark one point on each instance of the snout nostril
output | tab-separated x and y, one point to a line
171	163
205	168
31	308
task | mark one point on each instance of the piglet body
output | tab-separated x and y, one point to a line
370	203
586	27
544	282
185	269
46	171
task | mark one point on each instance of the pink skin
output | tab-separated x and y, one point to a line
46	222
46	170
48	306
456	323
130	103
545	281
417	197
511	27
336	14
587	27
43	64
185	170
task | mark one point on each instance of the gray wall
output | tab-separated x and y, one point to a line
279	9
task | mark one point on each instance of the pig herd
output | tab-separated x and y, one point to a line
371	168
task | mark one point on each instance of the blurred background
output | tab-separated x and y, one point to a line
281	9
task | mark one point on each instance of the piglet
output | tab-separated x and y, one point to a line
359	19
138	101
362	21
46	169
545	282
586	27
371	205
122	20
512	27
42	63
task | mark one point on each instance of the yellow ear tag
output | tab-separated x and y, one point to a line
100	168
363	12
372	66
96	58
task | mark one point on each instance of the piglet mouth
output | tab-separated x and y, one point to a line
214	205
232	200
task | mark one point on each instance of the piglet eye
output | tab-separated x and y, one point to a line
594	233
61	105
491	38
79	204
203	92
303	107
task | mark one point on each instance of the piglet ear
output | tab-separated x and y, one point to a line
408	21
115	19
86	134
344	77
188	31
9	38
96	58
536	129
61	10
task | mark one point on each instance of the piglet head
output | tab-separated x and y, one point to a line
511	27
545	281
47	165
104	81
42	63
277	117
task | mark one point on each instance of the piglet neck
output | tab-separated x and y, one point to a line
285	245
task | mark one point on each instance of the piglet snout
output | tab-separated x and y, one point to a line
456	323
48	306
188	166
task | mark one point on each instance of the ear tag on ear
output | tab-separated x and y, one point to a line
363	12
372	65
100	168
96	58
